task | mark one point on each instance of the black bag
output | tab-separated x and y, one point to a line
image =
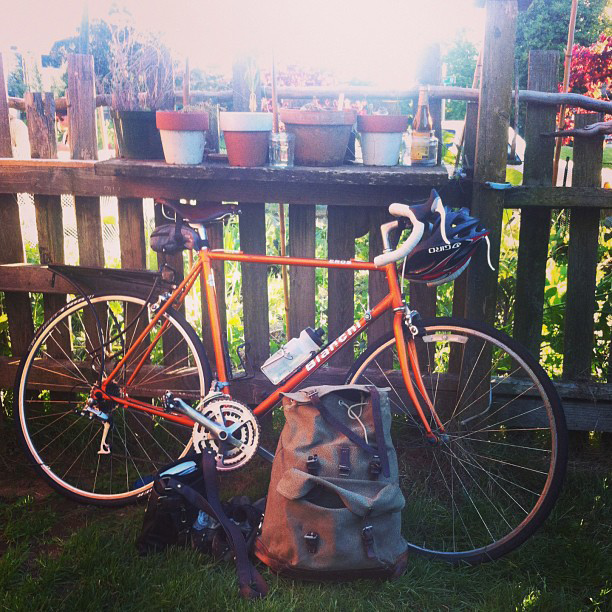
172	238
169	518
181	494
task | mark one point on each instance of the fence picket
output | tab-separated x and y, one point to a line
582	258
340	283
16	305
255	283
535	222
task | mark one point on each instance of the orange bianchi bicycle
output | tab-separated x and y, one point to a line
116	385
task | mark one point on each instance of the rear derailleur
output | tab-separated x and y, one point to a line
100	408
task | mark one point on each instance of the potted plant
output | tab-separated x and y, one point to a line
321	135
183	134
381	138
246	137
141	83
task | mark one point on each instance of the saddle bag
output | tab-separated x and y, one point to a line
172	238
334	504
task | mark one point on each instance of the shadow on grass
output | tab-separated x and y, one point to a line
57	555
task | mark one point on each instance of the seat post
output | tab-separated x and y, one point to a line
203	234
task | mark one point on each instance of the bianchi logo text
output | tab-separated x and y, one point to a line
336	344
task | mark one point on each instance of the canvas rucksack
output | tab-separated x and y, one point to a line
334	504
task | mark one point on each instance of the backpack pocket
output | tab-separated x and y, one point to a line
353	526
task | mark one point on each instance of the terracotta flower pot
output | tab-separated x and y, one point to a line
183	136
321	137
381	138
246	137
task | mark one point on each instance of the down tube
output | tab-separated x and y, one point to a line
322	357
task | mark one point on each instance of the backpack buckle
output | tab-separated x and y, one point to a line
367	535
312	542
375	467
313	465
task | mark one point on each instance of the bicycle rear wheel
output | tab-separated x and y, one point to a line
63	438
490	485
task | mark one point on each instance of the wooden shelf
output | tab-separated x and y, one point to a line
355	174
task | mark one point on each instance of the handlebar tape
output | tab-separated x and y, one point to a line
402	210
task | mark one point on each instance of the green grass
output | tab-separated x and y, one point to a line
56	555
607	155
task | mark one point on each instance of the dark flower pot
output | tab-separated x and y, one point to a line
137	135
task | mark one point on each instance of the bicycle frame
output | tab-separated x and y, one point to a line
202	267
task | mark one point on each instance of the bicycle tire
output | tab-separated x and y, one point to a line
484	491
54	380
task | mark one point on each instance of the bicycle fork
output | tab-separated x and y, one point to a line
409	360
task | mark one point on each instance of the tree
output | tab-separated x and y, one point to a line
460	61
15	83
99	47
592	68
544	26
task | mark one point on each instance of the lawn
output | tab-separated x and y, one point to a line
607	155
56	555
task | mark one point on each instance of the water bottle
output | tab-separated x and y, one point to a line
202	521
293	355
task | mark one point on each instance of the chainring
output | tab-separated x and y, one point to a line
231	413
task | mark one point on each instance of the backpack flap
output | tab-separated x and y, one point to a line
364	498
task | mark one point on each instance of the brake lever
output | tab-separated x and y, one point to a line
438	207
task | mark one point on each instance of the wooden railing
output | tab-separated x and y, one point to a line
356	199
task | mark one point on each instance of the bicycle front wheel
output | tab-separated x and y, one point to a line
487	485
73	350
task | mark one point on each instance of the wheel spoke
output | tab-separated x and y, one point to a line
61	373
496	473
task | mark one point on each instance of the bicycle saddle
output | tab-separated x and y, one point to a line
202	212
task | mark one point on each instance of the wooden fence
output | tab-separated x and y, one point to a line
356	200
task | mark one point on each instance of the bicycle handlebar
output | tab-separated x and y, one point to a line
405	249
418	227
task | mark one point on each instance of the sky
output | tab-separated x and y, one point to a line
370	40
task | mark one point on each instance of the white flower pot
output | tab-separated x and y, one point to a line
381	148
183	147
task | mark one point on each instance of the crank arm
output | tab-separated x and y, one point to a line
221	433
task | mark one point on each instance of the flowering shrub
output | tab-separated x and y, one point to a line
591	75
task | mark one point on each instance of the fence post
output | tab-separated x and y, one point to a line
582	257
83	143
469	154
252	237
491	151
40	112
16	305
535	222
422	297
377	282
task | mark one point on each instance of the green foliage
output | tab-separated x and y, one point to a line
544	26
460	62
99	47
16	86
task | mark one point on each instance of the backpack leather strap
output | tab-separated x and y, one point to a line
378	430
252	585
351	435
